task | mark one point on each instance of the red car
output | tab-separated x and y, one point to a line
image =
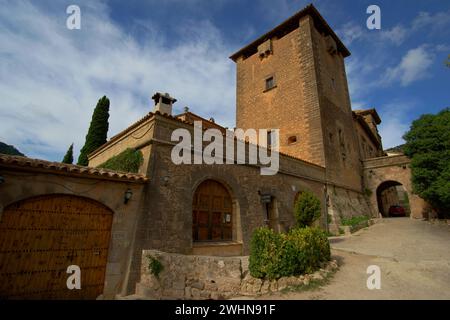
396	211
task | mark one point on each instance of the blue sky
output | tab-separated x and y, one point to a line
52	77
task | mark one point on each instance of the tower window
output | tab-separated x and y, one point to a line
270	83
292	139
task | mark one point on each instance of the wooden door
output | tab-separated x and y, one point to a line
40	237
211	212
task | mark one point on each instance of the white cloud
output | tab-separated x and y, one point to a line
413	66
395	122
395	35
435	21
52	77
350	32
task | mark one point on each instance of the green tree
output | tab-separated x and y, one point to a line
306	209
428	146
98	130
68	158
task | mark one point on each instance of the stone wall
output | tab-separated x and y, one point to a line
203	277
345	203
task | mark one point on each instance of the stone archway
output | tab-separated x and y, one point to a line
392	193
391	171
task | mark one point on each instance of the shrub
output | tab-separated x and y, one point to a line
306	209
428	146
354	221
275	255
155	266
265	247
128	161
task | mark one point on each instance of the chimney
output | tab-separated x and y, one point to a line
163	103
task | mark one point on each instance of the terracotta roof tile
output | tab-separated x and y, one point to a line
71	169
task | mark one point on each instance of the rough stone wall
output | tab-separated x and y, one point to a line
345	203
21	184
203	277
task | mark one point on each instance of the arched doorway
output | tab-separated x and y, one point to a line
212	212
41	237
392	199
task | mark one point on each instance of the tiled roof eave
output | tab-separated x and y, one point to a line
27	164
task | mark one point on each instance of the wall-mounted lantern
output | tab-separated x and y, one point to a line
128	195
2	180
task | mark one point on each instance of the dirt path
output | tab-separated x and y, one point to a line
414	258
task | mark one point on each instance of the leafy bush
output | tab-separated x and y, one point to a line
275	255
306	209
353	221
428	146
265	248
128	161
155	266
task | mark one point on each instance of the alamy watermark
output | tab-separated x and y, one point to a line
74	20
374	280
374	20
231	148
74	280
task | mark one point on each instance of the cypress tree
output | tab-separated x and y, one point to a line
98	130
68	158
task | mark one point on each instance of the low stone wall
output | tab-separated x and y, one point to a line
206	277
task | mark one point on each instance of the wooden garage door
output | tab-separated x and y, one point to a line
211	213
40	237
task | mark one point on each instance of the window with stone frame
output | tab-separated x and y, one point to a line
269	83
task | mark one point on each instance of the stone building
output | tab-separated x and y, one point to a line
293	79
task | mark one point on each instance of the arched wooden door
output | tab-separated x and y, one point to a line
211	212
40	237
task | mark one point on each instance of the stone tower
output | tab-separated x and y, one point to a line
293	78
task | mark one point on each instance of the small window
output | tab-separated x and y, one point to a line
333	84
270	83
292	139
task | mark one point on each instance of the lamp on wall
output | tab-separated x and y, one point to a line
2	180
128	195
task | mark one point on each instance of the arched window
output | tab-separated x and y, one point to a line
211	212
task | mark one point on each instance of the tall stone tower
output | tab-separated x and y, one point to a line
293	78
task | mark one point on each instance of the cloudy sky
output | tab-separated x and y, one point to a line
51	77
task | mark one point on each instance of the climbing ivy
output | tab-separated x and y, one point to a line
128	161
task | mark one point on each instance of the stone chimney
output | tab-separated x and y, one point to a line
163	103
